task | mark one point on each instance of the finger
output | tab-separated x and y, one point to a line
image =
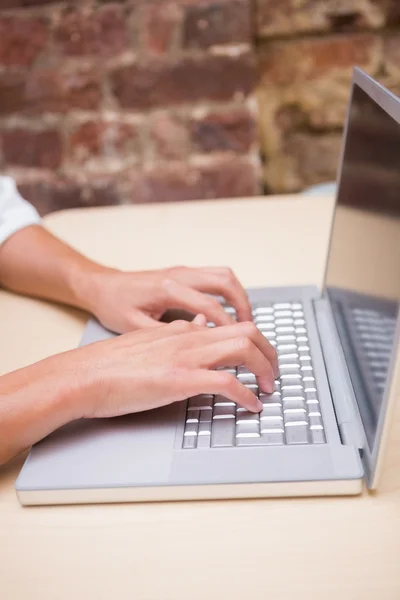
181	296
200	320
220	282
233	352
226	284
218	382
139	320
249	330
151	334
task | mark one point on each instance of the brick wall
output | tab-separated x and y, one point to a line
307	49
103	102
130	101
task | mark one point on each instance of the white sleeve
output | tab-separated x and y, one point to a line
15	212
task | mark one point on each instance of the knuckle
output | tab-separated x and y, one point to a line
249	328
228	274
243	344
226	380
165	284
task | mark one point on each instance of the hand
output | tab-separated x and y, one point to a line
147	369
124	302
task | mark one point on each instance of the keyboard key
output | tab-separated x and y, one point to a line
264	319
285	329
269	439
299	322
270	335
273	410
317	436
292	390
204	429
302	339
295	415
245	416
263	310
315	421
203	441
223	433
289	369
282	306
286	348
303	350
247	429
287	321
290	378
193	416
223	401
271	425
298	314
285	338
273	398
265	326
205	416
297	306
191	428
283	313
300	331
311	396
288	358
297	434
201	402
247	378
293	403
190	442
224	412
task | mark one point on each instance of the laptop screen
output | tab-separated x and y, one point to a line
363	271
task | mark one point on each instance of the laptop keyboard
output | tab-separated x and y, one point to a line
291	415
374	337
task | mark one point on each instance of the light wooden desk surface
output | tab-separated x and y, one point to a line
330	548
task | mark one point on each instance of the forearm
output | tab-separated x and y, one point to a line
36	400
35	263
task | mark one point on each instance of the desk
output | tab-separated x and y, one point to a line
339	548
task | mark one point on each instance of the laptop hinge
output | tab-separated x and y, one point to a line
340	385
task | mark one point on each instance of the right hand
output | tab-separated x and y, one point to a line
151	368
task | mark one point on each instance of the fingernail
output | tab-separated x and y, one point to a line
259	406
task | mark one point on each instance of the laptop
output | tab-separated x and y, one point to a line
324	430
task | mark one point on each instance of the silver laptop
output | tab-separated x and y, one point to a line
323	431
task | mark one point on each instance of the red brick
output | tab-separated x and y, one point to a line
12	92
230	179
100	31
211	23
102	139
233	130
288	17
391	54
50	193
160	25
315	156
182	182
50	90
191	79
288	62
24	3
21	40
32	148
169	135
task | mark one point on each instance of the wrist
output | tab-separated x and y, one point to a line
87	282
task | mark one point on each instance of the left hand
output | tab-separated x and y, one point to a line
123	302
